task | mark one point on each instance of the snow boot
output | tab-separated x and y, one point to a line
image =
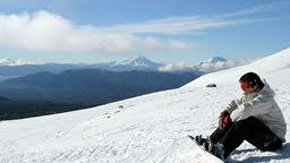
200	140
207	145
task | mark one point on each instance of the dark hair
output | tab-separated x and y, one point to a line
252	78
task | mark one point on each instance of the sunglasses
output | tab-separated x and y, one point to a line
245	85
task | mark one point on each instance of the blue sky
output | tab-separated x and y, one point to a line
187	31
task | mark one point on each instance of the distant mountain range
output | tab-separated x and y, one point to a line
8	69
15	68
30	90
51	88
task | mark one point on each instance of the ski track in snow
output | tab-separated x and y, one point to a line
148	128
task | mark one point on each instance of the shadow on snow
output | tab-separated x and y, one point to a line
281	154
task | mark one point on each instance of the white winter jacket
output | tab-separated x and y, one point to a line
262	106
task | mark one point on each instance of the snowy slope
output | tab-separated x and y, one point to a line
149	128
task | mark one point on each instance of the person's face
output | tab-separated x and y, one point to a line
246	87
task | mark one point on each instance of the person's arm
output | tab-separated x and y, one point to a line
257	106
224	119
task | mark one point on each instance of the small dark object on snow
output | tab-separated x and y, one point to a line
211	85
121	106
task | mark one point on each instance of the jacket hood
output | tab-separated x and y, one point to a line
267	90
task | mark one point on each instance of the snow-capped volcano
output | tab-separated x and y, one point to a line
140	61
220	63
149	128
216	60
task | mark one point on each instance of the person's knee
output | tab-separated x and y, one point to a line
246	123
243	124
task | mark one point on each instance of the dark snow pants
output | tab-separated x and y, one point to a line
252	130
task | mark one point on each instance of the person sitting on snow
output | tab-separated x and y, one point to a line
255	117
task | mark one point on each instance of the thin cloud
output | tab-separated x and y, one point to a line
175	67
173	26
196	24
258	9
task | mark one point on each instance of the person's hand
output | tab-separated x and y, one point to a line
225	121
233	105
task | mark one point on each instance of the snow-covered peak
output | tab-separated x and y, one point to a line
216	60
10	62
140	61
220	63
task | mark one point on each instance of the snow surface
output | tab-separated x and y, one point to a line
148	128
